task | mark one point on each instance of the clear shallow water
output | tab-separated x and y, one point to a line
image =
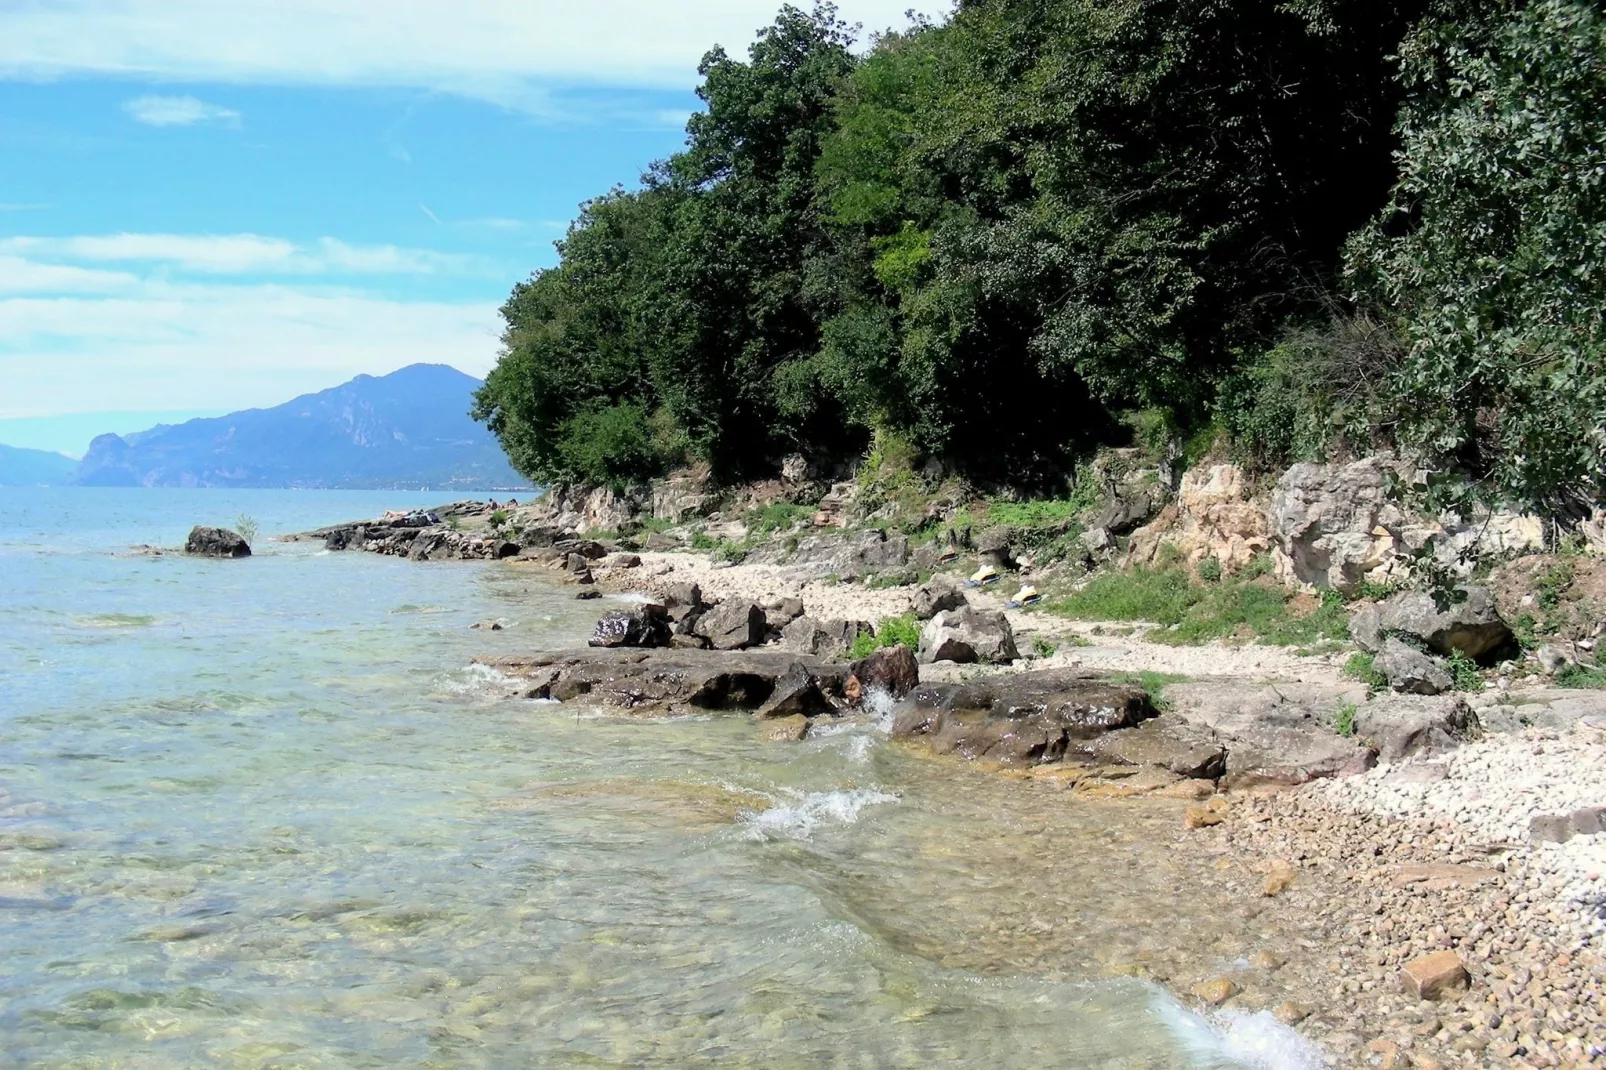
263	813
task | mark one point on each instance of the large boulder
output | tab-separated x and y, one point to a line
1409	670
646	625
216	542
967	635
797	692
732	625
1020	719
1471	626
1335	523
1276	734
822	638
846	556
582	508
1403	725
936	595
1165	742
891	670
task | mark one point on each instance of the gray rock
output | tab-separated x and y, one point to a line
1403	725
847	556
1275	734
781	612
1554	657
936	595
428	546
1324	519
1471	626
1559	828
823	638
732	625
796	692
967	635
1165	742
1409	670
646	625
216	542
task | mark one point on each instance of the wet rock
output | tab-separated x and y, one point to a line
1409	670
937	595
787	729
1403	725
892	670
797	693
823	638
587	595
1433	977
658	681
1190	751
1290	1012
1215	991
732	625
216	542
644	626
967	635
1472	626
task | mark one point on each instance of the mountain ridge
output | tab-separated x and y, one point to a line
20	467
409	429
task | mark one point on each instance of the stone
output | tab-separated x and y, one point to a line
1289	1012
1215	991
1213	516
892	670
1334	524
1386	1052
732	625
1190	751
1400	726
937	595
583	508
781	612
1199	817
1559	828
659	681
967	635
577	563
1275	734
1472	626
645	626
823	638
797	693
1554	657
682	598
1279	878
587	595
1410	671
791	729
1433	977
216	542
1267	960
625	561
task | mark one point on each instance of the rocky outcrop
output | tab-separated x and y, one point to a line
216	542
1400	726
892	670
1410	670
1471	626
967	635
645	626
1335	524
847	556
1212	516
732	625
1277	734
1019	719
666	682
579	508
823	638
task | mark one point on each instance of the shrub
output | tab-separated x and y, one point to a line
1464	672
1210	569
1044	648
245	526
903	630
1344	720
777	516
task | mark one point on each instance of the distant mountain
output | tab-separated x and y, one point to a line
33	468
408	429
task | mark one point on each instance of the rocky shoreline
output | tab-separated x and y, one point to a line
1443	848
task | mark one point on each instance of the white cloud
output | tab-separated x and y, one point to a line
178	111
496	50
239	254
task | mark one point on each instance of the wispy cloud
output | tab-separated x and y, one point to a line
237	254
179	111
15	207
508	53
433	218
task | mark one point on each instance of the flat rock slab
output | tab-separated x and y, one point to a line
1276	734
667	680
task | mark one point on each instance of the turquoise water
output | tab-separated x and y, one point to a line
263	813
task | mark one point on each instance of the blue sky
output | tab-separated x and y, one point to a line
208	206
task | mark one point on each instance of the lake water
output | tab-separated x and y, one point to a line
263	813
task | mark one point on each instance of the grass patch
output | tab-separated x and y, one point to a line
1586	677
1362	666
1189	611
1044	648
1464	674
1344	720
776	517
902	630
1153	682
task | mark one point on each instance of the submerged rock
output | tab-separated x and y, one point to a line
216	542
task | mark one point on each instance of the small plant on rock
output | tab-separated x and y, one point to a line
1361	666
1210	569
246	525
1344	720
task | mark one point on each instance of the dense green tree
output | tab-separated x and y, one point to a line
1493	253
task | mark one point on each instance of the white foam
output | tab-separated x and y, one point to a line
799	820
477	679
1256	1041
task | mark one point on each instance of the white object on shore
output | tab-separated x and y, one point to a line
983	576
1024	597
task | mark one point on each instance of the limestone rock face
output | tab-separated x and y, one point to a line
1409	670
1471	626
578	508
216	542
732	625
967	635
1402	725
823	638
1212	516
1333	524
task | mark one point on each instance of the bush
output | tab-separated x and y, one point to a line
610	446
1209	569
1464	673
902	630
777	516
245	526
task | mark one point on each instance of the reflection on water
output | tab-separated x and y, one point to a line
270	819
